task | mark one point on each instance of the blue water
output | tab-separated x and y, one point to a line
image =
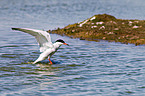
85	68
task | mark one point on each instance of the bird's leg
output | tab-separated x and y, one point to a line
50	61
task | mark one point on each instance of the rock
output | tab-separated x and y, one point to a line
106	27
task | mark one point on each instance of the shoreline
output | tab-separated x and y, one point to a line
106	27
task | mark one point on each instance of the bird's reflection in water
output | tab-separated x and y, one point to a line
49	75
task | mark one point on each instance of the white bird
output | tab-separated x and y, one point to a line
46	46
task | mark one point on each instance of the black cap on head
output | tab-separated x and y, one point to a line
59	40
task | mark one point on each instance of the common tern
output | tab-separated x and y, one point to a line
44	40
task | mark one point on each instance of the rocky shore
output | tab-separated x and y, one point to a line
106	27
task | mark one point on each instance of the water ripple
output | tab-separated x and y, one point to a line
84	68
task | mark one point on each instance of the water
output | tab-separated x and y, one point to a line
85	68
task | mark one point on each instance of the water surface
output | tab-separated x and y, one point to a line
84	68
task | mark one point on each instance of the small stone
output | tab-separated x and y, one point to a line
130	22
99	23
93	18
136	21
135	26
110	33
102	27
104	38
93	26
116	28
73	30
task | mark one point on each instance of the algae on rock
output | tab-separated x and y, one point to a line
106	27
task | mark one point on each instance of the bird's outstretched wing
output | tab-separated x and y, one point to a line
42	37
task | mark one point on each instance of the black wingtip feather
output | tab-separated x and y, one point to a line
14	28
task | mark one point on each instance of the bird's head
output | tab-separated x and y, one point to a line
61	42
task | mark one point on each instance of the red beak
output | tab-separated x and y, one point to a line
65	44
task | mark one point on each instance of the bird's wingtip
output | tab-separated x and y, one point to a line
14	28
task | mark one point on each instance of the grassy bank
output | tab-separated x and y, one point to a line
106	27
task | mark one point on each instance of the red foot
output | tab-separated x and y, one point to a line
50	61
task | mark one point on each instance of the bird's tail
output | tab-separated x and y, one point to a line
35	61
40	58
